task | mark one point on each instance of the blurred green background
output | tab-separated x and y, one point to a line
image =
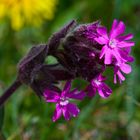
28	118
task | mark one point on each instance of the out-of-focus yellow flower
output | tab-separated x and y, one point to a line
31	12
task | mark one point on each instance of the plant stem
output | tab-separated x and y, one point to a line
15	85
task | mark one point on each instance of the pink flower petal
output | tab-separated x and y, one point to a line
75	94
124	44
108	56
102	31
117	55
101	40
57	113
125	37
66	113
103	51
125	68
106	88
128	50
101	78
115	78
125	56
51	96
66	88
102	93
114	25
73	109
120	77
120	28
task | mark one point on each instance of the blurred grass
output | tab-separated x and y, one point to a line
28	118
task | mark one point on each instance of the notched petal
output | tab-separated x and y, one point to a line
57	113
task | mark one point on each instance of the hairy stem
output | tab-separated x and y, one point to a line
15	85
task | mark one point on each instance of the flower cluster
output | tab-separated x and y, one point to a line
116	48
83	51
86	51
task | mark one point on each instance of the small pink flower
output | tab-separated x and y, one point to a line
114	45
62	100
125	68
97	84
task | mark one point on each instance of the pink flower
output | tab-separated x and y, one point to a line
125	68
62	100
114	45
97	84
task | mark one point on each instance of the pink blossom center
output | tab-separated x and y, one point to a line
63	101
118	64
112	43
97	82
